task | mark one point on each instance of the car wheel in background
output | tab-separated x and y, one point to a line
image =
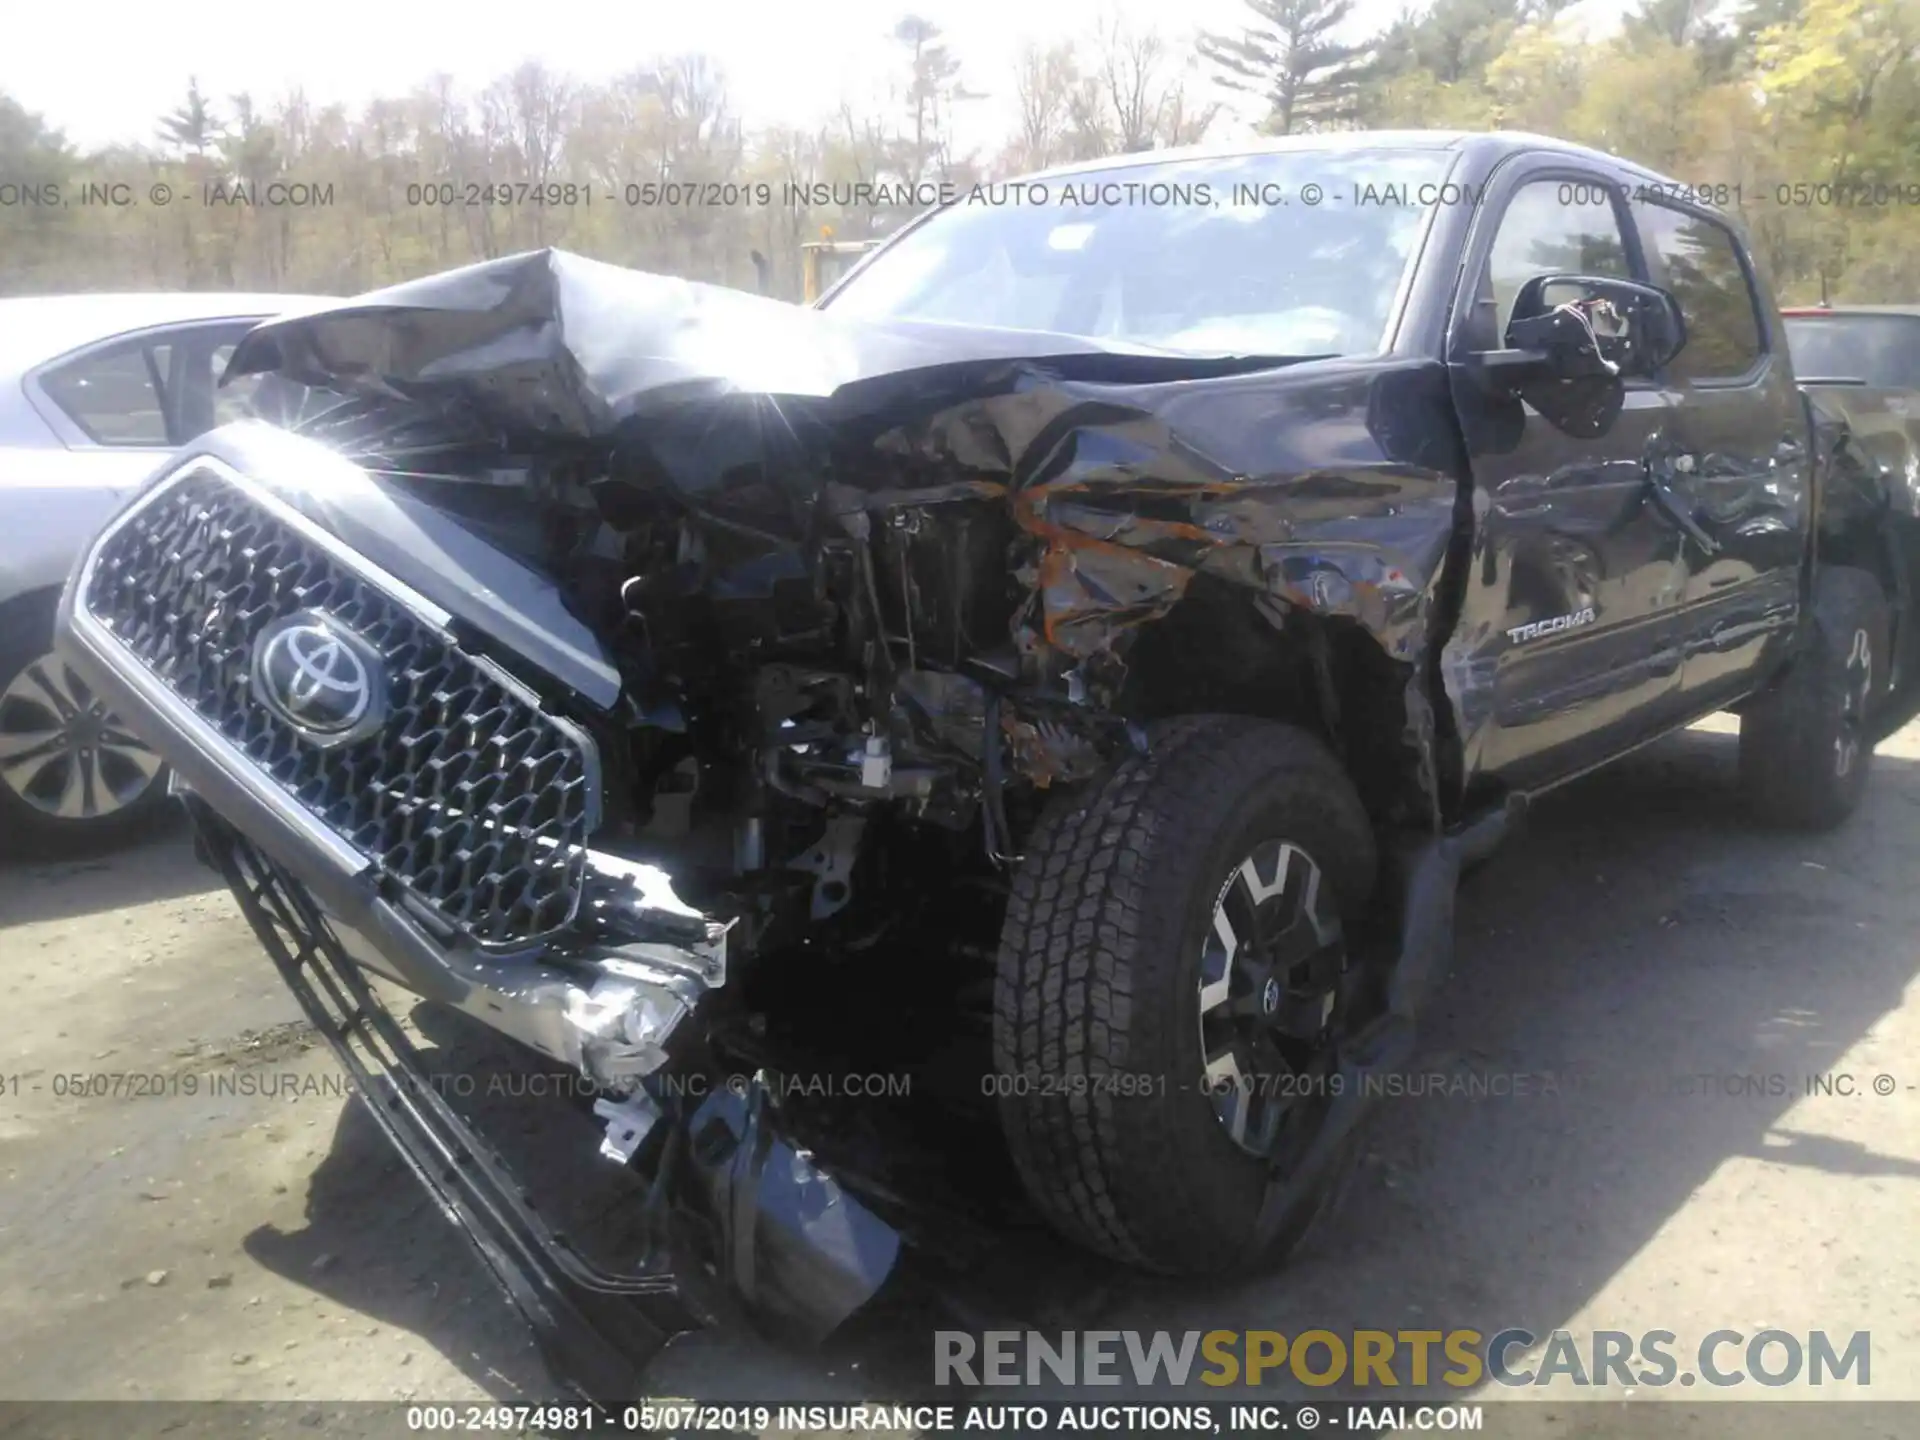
71	777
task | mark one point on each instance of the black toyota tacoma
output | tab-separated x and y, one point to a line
1087	647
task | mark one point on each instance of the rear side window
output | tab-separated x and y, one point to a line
158	388
1699	261
116	396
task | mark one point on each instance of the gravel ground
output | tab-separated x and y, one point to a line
254	1240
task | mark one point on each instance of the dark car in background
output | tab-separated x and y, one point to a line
1862	362
1865	361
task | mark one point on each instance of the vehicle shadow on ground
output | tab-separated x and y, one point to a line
1679	974
1641	935
159	866
374	1242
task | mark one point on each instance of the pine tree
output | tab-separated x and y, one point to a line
1291	59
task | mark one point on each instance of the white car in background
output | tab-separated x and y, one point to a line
94	390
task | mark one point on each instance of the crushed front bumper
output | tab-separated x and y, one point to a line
600	994
596	1328
794	1247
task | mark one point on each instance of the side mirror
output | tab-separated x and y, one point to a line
1575	327
1573	339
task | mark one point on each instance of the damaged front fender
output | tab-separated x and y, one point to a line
1326	486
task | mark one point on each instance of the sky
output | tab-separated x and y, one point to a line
105	70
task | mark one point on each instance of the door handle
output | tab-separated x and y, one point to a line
1671	505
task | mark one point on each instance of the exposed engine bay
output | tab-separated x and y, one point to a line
870	594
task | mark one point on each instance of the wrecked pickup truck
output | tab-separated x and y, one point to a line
1121	611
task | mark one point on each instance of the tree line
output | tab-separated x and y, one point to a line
1802	115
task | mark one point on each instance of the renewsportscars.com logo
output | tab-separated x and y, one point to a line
1389	1358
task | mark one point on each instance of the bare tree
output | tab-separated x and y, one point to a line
443	146
701	145
533	111
1045	82
1145	96
1128	91
785	157
933	89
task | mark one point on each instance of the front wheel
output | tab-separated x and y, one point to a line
1806	744
1169	1005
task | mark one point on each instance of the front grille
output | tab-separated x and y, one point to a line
468	795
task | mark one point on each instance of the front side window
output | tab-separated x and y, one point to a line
238	398
1699	261
1550	227
1285	254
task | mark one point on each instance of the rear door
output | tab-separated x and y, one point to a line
1568	650
1739	483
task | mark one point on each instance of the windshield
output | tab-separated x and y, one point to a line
1882	350
1300	253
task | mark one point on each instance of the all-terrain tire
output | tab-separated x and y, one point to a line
1097	1036
1806	744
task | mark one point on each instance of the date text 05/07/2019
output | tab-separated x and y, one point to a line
1143	1083
692	1418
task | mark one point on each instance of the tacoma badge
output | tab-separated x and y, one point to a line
1535	629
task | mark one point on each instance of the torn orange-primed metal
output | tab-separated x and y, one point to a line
1326	486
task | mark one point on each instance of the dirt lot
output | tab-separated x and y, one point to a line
254	1240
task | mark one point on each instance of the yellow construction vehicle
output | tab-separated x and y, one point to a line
824	261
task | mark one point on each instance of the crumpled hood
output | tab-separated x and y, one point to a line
1327	484
556	345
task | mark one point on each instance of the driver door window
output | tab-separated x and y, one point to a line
1552	226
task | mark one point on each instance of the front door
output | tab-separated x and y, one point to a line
1568	648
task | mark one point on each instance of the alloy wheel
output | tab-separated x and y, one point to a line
1271	968
63	752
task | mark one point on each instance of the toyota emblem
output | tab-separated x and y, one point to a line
321	678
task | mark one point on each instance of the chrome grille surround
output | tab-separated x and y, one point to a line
471	797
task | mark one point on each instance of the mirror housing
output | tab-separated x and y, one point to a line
1572	342
1577	327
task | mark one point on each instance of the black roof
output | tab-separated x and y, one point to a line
1487	145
